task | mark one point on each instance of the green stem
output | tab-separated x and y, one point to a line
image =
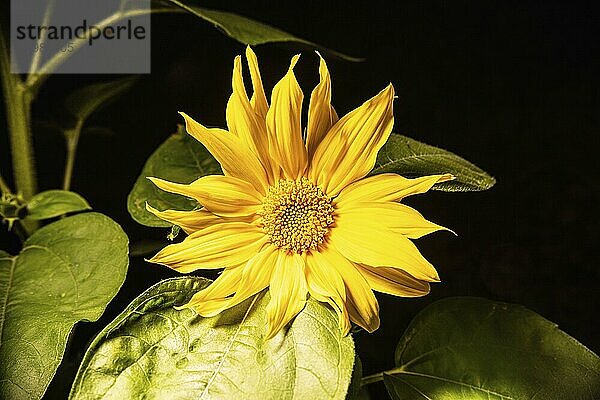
18	114
367	380
378	377
37	55
4	188
72	137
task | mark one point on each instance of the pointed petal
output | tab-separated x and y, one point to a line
208	299
288	291
388	187
222	195
235	158
253	278
326	285
393	281
244	122
349	150
364	242
217	246
362	315
395	217
361	303
189	221
283	125
258	100
321	115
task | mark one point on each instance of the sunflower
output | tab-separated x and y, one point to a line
300	216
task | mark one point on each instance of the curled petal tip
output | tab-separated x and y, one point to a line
446	178
186	119
249	51
270	333
294	61
390	89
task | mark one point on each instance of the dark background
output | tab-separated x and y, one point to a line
510	85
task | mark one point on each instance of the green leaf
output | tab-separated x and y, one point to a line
405	156
52	203
469	348
248	31
356	391
146	247
84	101
67	272
152	350
181	159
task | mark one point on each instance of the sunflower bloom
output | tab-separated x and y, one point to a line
300	216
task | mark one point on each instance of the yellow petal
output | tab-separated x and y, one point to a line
366	243
244	122
283	125
395	217
288	291
217	246
258	100
254	277
222	195
360	301
349	150
359	315
321	115
388	187
189	221
326	285
393	281
206	300
234	156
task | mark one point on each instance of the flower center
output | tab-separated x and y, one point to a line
296	215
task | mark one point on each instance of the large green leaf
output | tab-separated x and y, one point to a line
356	391
53	203
470	348
180	159
246	30
67	272
406	156
153	351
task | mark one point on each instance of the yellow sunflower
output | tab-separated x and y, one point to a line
300	216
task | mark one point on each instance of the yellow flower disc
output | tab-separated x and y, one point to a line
296	215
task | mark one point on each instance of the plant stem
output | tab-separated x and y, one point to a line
18	114
378	377
4	188
37	55
367	380
72	137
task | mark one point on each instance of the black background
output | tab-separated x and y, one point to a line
509	85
